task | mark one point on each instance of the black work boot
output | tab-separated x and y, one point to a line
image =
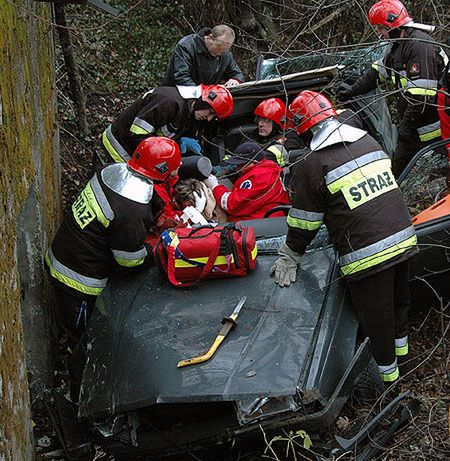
392	389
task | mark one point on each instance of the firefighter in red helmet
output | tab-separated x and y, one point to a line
345	182
106	228
172	112
413	64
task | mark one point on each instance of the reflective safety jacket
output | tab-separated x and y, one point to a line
414	67
256	191
103	231
351	189
192	64
161	111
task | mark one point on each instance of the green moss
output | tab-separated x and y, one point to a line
26	137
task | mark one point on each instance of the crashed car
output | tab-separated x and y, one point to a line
294	357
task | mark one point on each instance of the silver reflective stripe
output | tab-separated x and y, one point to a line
64	270
306	215
382	68
101	198
130	255
376	247
422	83
386	369
428	128
224	200
401	342
348	167
116	145
164	130
144	125
190	92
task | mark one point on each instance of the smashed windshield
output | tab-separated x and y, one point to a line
355	61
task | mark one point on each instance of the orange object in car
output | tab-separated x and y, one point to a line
439	209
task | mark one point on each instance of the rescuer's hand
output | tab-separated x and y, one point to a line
232	82
211	181
284	270
200	201
190	145
344	92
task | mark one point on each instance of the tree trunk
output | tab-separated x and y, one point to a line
78	97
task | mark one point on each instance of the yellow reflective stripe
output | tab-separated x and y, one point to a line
422	91
86	208
220	260
138	130
381	74
130	258
403	82
431	135
129	262
401	351
299	223
378	258
94	291
390	377
111	151
358	174
278	155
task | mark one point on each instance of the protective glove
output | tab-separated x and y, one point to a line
232	82
285	268
211	181
190	145
224	170
344	92
200	201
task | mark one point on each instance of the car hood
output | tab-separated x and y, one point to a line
143	326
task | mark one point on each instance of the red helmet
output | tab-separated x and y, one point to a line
156	158
389	13
219	98
273	109
308	109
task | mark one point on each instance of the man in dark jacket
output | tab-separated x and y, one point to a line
413	64
346	183
204	57
106	228
172	112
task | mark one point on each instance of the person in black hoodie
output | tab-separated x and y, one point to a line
204	57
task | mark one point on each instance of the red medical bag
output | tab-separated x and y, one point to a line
188	255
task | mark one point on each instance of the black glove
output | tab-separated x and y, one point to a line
344	92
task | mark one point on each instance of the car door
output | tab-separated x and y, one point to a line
424	185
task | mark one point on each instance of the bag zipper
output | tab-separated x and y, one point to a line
234	249
244	244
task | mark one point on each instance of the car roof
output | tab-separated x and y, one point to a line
143	326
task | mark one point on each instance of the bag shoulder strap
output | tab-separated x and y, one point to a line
172	256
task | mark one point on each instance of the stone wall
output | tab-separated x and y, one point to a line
29	212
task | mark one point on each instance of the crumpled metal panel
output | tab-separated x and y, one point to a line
147	326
